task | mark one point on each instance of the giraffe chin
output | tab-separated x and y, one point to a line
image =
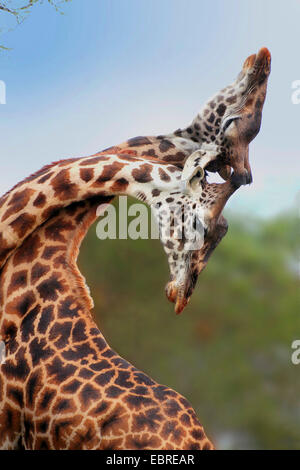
177	296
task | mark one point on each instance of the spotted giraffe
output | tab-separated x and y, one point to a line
62	386
227	123
121	408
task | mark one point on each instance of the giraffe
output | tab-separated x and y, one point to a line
61	385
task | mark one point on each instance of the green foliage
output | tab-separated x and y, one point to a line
230	351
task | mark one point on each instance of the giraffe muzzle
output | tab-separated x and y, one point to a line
258	62
177	295
241	179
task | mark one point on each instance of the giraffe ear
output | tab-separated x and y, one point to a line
193	170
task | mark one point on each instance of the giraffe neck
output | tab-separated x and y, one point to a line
173	148
52	249
40	196
176	147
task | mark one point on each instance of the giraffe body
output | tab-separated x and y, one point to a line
62	386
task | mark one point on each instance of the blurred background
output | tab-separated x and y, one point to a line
229	352
107	70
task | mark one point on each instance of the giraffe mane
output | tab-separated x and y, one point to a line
34	175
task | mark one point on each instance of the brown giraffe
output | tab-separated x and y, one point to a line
62	387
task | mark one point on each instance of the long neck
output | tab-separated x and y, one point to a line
42	276
177	146
173	148
40	196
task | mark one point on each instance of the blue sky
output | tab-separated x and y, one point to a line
108	70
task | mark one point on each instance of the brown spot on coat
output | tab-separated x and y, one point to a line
18	202
148	153
166	145
21	304
143	173
221	109
49	288
231	99
86	174
55	230
119	185
63	188
174	158
88	395
45	177
38	271
163	175
211	118
108	173
29	252
94	160
18	279
138	141
51	250
172	169
51	211
40	200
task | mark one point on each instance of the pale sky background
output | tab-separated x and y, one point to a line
108	70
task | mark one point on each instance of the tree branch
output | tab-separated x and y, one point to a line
20	12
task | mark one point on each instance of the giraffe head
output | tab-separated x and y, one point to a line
232	118
190	224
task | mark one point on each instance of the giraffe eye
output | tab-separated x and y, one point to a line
228	122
